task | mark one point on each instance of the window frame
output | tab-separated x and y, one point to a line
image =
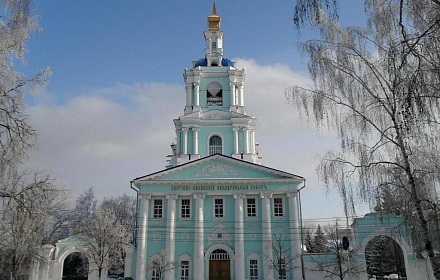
214	208
283	275
184	268
255	207
278	211
217	149
253	267
155	275
184	258
184	215
155	214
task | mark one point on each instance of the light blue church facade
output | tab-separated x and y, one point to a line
215	212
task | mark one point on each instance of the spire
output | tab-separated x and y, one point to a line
214	20
214	10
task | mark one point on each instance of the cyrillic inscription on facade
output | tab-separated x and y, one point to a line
218	188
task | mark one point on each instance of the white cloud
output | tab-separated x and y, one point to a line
106	137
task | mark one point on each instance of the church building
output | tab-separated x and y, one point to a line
215	212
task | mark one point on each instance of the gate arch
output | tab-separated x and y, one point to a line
378	224
52	267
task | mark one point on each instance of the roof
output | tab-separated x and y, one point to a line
204	62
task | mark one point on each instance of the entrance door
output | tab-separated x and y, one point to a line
219	265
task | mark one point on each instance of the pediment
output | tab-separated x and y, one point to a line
219	168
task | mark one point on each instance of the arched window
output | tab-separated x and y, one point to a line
215	145
214	94
184	264
254	266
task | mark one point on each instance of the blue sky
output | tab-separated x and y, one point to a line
106	115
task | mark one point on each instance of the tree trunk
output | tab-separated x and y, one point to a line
417	203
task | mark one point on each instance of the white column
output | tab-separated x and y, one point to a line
171	228
246	140
295	236
178	141
196	94
267	236
240	94
195	140
239	237
232	93
188	89
253	150
128	260
141	236
185	140
199	262
235	129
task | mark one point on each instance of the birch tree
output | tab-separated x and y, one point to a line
104	238
16	133
335	262
281	259
161	263
24	222
378	87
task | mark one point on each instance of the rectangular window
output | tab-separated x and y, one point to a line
157	208
251	207
278	207
155	275
253	269
184	270
214	45
218	208
283	273
185	208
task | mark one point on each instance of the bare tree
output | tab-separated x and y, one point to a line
336	262
159	264
85	208
124	207
16	134
25	222
378	87
281	259
104	238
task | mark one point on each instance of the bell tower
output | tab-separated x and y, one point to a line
215	119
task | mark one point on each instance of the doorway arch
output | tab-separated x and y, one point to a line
220	259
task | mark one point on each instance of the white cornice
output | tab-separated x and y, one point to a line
222	181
